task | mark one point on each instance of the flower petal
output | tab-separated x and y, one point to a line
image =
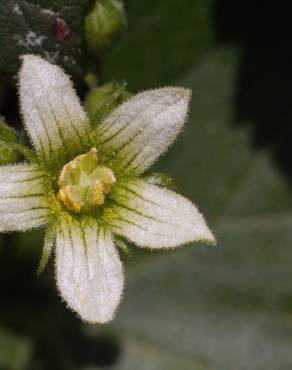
141	129
89	270
23	202
154	217
51	109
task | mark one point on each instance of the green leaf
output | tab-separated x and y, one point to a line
229	306
164	39
52	29
142	355
7	133
15	352
8	139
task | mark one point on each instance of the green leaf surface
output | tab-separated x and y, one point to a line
15	351
165	38
227	307
8	138
50	28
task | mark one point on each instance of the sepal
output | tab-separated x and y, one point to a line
101	100
123	246
47	249
160	179
8	137
7	133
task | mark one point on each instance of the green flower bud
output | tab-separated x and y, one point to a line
100	101
104	24
8	137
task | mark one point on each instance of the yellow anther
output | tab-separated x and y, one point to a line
84	183
99	193
65	195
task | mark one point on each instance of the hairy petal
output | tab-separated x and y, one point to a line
154	217
89	270
53	116
141	129
23	201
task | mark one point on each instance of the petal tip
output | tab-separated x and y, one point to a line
89	279
28	59
205	235
210	239
183	91
184	94
29	64
94	321
32	63
188	93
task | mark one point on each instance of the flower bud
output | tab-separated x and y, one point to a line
104	24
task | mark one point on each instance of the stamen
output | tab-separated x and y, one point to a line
84	183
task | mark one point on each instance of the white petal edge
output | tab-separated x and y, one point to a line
142	128
157	218
23	202
89	271
51	110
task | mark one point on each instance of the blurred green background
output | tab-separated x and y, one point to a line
195	308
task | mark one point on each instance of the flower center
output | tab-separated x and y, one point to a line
84	183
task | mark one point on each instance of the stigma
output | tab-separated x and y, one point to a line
84	183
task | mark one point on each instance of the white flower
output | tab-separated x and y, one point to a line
84	183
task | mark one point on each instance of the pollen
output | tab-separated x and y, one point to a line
84	183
